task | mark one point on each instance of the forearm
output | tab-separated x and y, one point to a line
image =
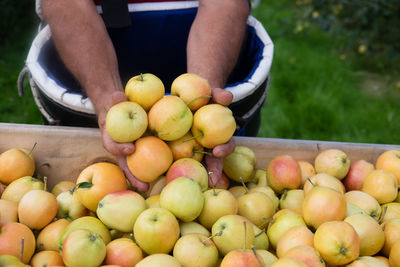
83	43
216	38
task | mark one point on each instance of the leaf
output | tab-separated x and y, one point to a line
84	185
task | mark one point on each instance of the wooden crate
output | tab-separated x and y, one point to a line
62	153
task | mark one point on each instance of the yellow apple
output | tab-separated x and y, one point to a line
390	161
49	236
382	185
193	228
16	163
159	259
365	202
18	188
333	162
240	164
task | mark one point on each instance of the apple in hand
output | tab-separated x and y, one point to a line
186	147
69	206
194	90
240	164
145	89
283	172
333	162
188	168
126	122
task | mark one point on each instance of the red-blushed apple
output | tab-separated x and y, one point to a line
232	232
394	256
8	212
217	203
156	231
240	164
196	250
11	235
47	258
337	242
119	210
333	162
193	89
285	262
269	192
213	125
144	89
283	172
159	259
152	158
392	210
326	180
62	187
357	173
170	118
237	191
184	198
365	202
83	248
307	171
126	122
268	257
368	261
189	168
370	233
18	188
16	163
293	200
382	185
153	201
49	236
37	209
323	204
69	206
306	254
101	179
193	228
257	207
390	161
281	224
123	252
391	229
259	179
239	258
295	236
186	147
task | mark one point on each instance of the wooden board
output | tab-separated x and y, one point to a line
68	150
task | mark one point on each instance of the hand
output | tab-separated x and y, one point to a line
120	150
214	163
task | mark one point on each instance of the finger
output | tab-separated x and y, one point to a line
135	183
224	150
118	97
222	97
116	149
214	165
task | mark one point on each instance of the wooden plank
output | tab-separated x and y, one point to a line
68	150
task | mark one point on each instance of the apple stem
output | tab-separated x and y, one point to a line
33	147
212	182
244	185
200	134
311	182
212	236
22	249
262	231
257	257
45	183
141	77
261	226
383	215
245	235
197	98
202	152
284	194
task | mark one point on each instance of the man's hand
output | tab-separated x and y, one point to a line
120	150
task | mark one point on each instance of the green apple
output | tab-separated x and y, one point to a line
240	164
9	260
156	230
119	210
17	189
268	257
83	248
259	179
269	192
257	207
260	238
184	198
159	259
293	200
69	206
193	228
196	250
145	89
126	122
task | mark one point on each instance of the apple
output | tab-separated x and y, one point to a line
293	200
193	228
119	210
261	240
49	236
285	262
170	118
18	188
189	168
382	185
259	179
11	261
123	252
145	89
240	164
269	192
217	203
239	258
337	242
323	204
283	172
8	212
394	256
184	198
196	250
237	191
268	257
152	158
365	202
11	235
231	232
307	171
69	206
186	147
357	173
295	236
391	229
368	261
153	201
194	90
306	254
370	233
333	162
156	230
99	179
383	259
392	210
257	207
47	258
390	161
213	125
126	122
159	259
83	248
324	179
37	209
16	163
352	209
62	187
